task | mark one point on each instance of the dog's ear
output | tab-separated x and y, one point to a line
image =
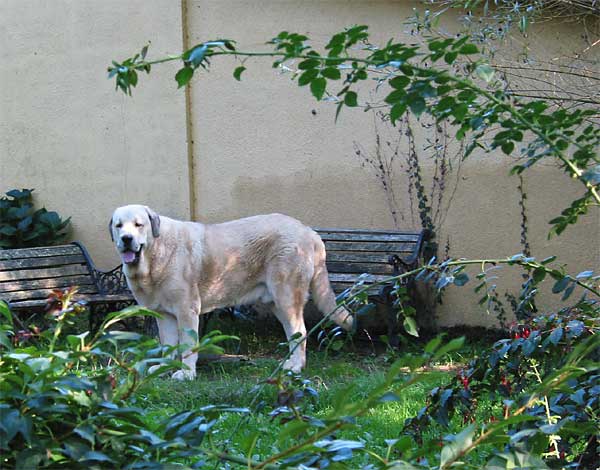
154	222
112	237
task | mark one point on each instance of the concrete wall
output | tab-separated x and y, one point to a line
259	145
265	145
65	131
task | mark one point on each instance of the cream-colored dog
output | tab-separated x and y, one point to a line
184	269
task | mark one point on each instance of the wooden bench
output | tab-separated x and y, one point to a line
29	275
370	256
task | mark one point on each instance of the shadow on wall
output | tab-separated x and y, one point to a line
324	197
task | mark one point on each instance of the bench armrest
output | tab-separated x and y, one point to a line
107	282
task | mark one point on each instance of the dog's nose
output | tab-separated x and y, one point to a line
127	239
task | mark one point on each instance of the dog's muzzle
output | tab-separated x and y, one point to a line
129	250
130	256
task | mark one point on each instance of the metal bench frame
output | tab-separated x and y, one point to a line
106	291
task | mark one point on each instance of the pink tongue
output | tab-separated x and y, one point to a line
128	256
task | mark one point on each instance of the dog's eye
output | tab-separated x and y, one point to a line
119	225
139	225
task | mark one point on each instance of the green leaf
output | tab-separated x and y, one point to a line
5	312
561	285
485	72
452	345
332	73
197	55
556	335
86	432
538	275
307	77
351	99
508	147
468	49
395	96
308	64
417	105
81	398
459	443
8	230
450	57
397	112
461	279
184	76
95	456
410	325
237	73
568	291
399	82
317	87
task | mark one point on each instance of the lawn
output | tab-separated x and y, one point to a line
349	375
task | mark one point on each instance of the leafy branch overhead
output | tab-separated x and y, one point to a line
422	81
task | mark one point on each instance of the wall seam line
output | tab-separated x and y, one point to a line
189	118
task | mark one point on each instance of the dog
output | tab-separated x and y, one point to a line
184	269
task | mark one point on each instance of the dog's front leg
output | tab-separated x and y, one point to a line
187	321
167	332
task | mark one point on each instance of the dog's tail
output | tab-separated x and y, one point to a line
322	293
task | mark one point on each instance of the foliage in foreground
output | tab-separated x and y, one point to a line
561	426
68	400
21	226
71	402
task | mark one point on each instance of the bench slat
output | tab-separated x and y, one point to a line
39	252
359	268
90	298
339	287
71	270
407	248
370	237
368	278
52	283
41	293
47	261
357	257
365	230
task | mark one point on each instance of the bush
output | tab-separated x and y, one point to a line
67	401
561	425
21	226
70	401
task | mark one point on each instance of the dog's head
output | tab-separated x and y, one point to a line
133	228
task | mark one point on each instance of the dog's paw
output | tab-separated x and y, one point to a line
293	366
184	375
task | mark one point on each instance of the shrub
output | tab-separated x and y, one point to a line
67	401
70	402
561	425
21	226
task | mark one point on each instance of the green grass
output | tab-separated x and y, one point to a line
348	375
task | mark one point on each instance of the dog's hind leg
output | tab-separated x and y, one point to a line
290	292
